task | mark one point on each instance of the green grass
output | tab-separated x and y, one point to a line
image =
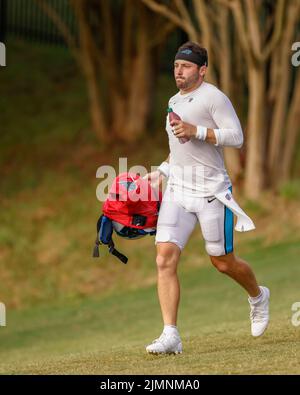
107	335
291	190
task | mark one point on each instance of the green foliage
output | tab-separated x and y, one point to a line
254	207
291	190
43	98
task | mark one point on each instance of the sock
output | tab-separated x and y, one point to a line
171	330
256	299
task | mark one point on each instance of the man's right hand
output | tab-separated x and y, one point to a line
155	178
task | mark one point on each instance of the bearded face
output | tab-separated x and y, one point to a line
187	75
185	83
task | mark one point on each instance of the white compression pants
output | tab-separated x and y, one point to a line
178	216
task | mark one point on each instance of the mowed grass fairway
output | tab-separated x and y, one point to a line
108	335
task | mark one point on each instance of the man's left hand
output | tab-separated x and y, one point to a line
183	129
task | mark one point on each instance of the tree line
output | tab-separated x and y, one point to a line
249	44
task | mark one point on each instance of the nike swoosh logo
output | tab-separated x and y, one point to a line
211	200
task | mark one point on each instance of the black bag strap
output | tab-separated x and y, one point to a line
116	253
110	244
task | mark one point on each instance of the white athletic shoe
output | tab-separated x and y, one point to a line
259	313
165	344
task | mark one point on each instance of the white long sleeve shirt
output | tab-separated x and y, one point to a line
196	167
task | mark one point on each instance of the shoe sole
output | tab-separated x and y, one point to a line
262	332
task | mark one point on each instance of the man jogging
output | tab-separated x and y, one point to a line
198	190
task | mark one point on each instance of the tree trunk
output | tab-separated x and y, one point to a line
89	70
292	132
118	126
231	155
140	88
282	85
277	126
205	38
130	105
130	108
254	175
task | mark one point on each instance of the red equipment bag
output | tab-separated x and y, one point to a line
132	202
131	210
